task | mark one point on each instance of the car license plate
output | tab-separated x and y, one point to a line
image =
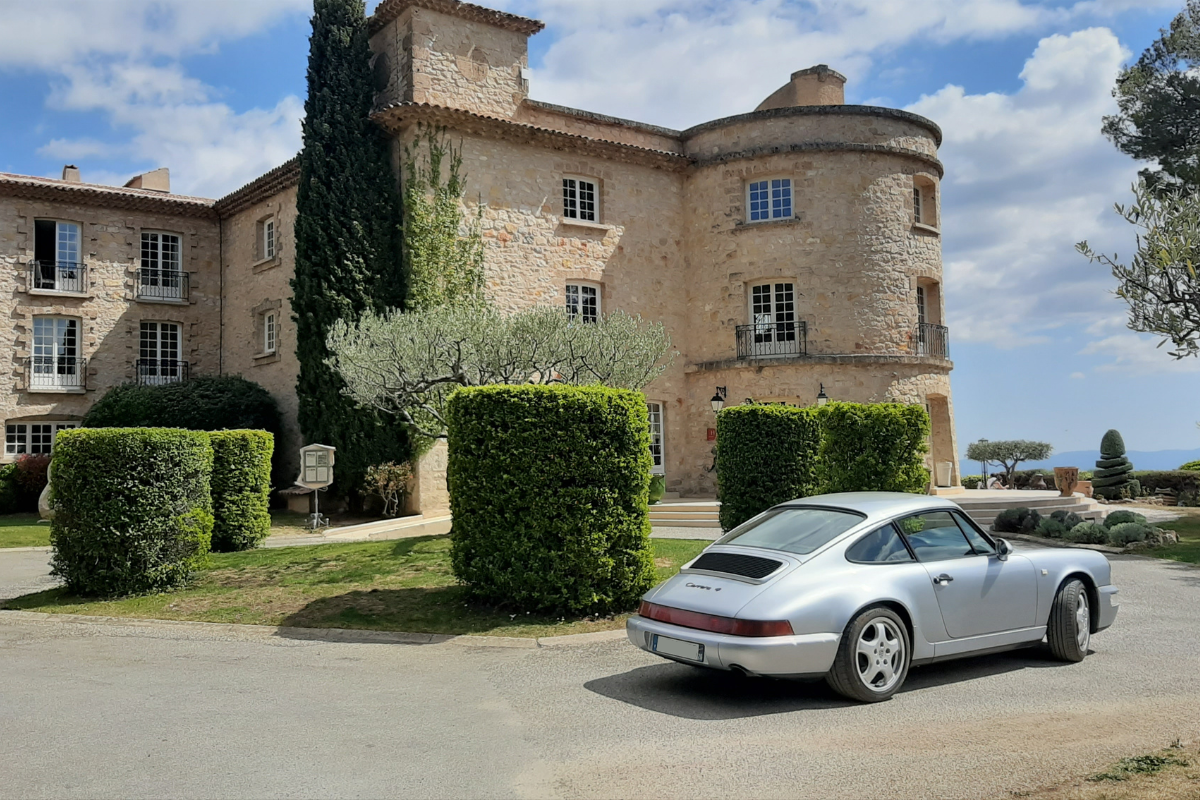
692	651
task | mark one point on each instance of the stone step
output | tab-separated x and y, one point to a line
1016	502
685	523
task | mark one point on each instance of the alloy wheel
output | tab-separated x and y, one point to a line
1083	622
880	654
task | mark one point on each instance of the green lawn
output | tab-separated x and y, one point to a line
23	530
400	585
1188	549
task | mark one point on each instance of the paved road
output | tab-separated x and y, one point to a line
142	710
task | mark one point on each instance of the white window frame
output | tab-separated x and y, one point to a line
581	198
270	331
922	308
583	301
770	198
161	273
772	308
167	361
63	274
918	197
19	436
266	243
56	361
658	438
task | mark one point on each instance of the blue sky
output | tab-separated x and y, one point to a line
214	90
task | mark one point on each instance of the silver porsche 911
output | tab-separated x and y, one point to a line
859	587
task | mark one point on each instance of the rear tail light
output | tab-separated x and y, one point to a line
714	623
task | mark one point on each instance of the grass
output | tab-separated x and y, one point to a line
400	585
23	530
1169	774
1188	549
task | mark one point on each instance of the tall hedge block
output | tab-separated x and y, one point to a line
548	487
875	447
133	512
766	454
241	488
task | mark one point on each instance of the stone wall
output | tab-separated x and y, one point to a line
110	312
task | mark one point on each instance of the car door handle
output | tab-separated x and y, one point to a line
942	580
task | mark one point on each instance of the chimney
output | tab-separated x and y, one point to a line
71	173
815	86
158	180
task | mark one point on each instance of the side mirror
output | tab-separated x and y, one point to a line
1003	548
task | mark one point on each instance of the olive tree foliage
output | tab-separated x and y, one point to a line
408	363
1008	454
443	251
1159	283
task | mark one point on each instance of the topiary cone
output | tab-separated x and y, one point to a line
1112	445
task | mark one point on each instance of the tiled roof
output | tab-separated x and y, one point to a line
94	194
267	185
388	10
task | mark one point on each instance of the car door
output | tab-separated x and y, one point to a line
977	592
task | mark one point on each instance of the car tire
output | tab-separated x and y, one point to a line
873	656
1069	628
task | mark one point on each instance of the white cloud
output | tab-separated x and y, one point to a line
1077	376
1138	355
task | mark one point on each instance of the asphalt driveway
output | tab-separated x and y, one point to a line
177	709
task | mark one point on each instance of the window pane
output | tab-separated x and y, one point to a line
587	201
935	536
572	300
170	252
40	438
589	304
781	198
760	201
916	204
14	439
879	547
68	242
570	199
976	539
656	436
793	530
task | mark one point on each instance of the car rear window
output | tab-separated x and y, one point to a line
793	530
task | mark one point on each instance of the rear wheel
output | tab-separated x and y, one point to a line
1069	629
873	657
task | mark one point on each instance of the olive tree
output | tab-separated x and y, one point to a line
408	363
1008	454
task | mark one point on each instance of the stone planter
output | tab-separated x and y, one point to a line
1066	478
944	470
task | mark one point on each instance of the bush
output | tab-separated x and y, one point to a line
1112	480
1031	522
133	511
1087	533
1193	466
548	489
1122	517
874	447
209	403
1068	519
766	454
1051	528
971	481
10	498
658	487
1182	482
1016	520
1127	532
241	488
389	482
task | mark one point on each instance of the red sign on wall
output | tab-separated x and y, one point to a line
712	434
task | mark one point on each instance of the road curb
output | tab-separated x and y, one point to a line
344	635
4	550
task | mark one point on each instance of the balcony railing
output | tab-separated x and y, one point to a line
55	373
933	340
162	284
69	277
772	339
157	371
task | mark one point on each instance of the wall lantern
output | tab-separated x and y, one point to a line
718	399
822	398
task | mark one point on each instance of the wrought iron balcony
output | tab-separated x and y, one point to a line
157	371
67	277
55	373
162	284
772	339
932	340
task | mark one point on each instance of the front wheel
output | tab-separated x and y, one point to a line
1069	629
873	657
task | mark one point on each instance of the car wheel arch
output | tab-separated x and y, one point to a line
895	605
1093	595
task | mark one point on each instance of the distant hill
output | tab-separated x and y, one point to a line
1086	459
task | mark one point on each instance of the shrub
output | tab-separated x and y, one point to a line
1068	519
1051	528
1031	522
658	487
1017	520
548	488
1122	517
1112	480
31	478
971	481
208	403
876	447
133	511
1192	466
1087	533
1127	532
1179	481
10	499
766	454
389	482
241	488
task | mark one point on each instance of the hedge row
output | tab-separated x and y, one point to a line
548	489
768	454
134	507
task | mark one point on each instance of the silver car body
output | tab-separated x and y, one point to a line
993	603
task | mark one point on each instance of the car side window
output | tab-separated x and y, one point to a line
977	540
935	536
880	546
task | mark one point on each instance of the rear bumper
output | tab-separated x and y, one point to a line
778	656
1107	606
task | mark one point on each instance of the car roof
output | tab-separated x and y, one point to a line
875	505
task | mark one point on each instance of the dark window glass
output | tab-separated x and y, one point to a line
879	547
977	540
44	247
793	530
935	536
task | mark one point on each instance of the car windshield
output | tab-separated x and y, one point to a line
793	530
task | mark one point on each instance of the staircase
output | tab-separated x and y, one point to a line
983	505
685	513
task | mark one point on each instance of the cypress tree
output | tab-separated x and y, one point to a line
347	238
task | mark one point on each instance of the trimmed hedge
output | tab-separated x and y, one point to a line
875	447
766	454
1087	532
133	512
1122	517
1180	481
548	489
241	488
10	495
